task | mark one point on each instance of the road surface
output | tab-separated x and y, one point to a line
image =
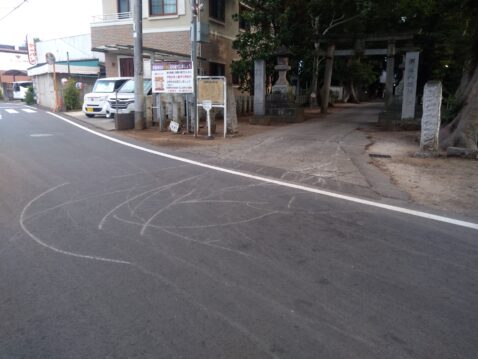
107	251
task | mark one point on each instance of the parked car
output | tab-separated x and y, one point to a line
123	102
20	89
96	102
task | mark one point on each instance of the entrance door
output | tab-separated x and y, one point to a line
126	66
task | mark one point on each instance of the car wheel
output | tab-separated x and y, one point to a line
89	115
108	114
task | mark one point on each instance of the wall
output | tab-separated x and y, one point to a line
78	48
13	61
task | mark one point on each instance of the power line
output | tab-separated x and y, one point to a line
15	8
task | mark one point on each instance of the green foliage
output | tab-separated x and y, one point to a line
71	96
445	32
1	94
30	96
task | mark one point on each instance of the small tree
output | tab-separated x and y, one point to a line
30	96
72	96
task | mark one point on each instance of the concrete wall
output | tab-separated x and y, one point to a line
13	61
78	48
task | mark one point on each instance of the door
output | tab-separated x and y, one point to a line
126	66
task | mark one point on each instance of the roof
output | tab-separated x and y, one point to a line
75	67
128	50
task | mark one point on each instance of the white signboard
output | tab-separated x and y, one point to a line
32	51
172	77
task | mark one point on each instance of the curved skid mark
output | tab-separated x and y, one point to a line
223	224
168	186
157	189
54	249
186	238
36	214
177	200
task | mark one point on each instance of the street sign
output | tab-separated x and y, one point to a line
207	105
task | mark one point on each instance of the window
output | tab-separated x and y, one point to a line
162	7
217	10
123	6
216	69
243	25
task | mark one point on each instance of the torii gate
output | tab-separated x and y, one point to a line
411	66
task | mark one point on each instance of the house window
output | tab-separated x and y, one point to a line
123	6
243	25
162	7
217	10
216	69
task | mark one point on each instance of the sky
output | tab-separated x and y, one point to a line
45	19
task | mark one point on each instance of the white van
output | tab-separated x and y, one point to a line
96	102
20	89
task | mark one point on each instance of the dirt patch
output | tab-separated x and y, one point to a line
447	184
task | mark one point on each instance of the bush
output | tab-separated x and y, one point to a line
71	96
1	94
30	96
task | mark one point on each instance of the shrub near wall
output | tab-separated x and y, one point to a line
71	96
30	96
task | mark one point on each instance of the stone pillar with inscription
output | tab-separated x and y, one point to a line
432	97
259	88
410	85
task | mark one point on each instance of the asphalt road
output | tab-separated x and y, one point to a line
110	252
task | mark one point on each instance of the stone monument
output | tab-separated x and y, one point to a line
280	106
410	85
432	97
259	88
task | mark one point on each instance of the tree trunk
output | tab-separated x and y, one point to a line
315	76
463	130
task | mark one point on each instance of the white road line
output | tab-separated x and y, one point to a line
388	207
11	110
28	110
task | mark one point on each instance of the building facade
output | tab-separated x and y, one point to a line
166	35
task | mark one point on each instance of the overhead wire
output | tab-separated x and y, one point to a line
15	8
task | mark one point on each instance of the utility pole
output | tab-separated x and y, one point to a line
196	7
139	120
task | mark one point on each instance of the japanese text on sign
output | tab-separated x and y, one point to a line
172	77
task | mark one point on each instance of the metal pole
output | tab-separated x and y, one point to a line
68	62
195	13
139	120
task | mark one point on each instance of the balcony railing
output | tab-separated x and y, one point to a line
111	18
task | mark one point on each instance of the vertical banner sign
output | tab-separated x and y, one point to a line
172	77
32	51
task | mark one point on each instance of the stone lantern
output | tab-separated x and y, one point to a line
282	86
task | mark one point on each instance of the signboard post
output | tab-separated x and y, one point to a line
171	77
212	90
207	105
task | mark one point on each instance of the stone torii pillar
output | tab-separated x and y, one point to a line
390	71
329	64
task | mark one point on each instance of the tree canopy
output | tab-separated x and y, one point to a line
445	31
